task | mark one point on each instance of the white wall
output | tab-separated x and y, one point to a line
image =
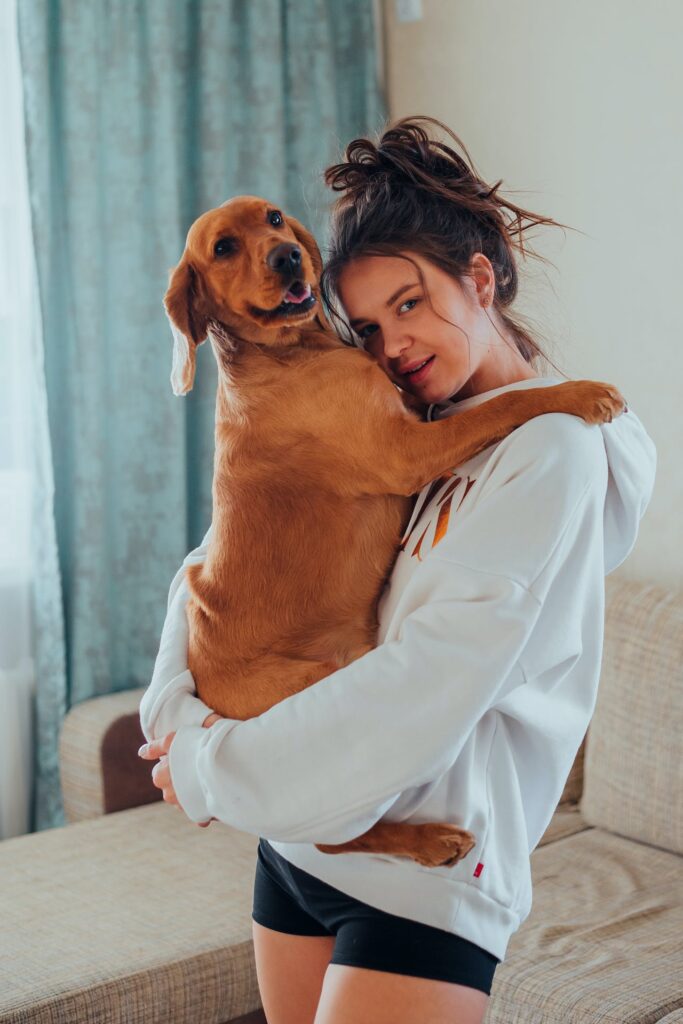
580	105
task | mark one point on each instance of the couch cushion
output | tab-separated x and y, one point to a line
137	917
633	770
566	821
603	941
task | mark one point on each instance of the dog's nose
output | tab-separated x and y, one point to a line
285	259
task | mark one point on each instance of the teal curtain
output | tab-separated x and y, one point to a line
140	115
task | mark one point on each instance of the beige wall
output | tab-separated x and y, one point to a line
580	105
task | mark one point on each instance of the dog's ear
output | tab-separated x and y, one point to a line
188	325
305	238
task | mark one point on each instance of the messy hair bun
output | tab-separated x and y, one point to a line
407	151
404	190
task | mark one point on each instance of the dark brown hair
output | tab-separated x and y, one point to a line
407	191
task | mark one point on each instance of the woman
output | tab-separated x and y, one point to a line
473	705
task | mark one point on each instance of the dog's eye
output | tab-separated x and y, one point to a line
224	247
275	218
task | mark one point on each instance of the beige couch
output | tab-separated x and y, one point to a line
138	916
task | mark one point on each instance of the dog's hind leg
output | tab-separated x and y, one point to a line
434	844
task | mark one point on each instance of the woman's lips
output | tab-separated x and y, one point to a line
417	376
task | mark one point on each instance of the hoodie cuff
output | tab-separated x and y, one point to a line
183	759
169	713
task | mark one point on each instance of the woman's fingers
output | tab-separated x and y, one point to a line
161	777
156	748
210	720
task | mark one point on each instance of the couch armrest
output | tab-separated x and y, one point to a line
99	767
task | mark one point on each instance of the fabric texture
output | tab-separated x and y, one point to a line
139	117
604	941
472	707
132	918
634	763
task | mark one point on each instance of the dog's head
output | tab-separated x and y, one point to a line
249	267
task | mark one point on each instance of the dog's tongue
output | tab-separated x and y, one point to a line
298	293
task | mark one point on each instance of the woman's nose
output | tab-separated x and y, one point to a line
394	343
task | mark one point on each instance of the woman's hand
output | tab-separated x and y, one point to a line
161	773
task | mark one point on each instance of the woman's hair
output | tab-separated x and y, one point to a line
409	192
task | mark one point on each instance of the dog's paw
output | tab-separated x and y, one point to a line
441	845
592	400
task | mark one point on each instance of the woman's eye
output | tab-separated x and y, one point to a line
275	218
365	332
224	247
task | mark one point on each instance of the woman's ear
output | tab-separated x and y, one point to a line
483	278
305	238
188	325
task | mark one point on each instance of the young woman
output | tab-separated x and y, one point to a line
473	705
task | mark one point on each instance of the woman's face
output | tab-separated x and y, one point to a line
387	307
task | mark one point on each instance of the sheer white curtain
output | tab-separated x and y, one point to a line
25	474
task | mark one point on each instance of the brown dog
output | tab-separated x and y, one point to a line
317	458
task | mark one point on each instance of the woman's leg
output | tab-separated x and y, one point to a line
323	957
290	971
357	995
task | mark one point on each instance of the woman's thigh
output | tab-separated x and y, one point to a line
357	995
290	971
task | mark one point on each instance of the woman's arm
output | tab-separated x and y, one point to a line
170	699
325	764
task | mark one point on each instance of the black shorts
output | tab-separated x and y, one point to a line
290	900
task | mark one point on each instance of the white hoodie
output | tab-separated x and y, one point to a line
472	707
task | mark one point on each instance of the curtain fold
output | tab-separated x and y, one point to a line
30	594
139	116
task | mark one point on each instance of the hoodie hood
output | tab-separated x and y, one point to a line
631	460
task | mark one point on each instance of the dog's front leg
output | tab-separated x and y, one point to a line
398	454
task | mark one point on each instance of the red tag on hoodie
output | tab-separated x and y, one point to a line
478	870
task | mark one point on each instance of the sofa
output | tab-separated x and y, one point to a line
131	914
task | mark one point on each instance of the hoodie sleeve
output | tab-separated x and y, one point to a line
632	461
325	764
170	700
